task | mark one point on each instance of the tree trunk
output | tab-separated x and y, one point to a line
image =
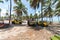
41	14
0	15
58	19
46	18
10	11
52	19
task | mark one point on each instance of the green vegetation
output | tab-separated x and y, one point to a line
55	37
20	9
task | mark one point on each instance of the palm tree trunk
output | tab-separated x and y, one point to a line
10	11
52	19
41	14
46	18
0	14
58	19
49	19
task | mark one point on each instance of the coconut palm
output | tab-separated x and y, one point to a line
36	3
31	16
1	1
49	13
58	10
20	9
36	16
49	3
0	12
46	15
58	15
10	10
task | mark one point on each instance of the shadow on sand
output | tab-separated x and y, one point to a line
54	29
6	27
36	27
19	24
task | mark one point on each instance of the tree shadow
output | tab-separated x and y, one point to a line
6	27
36	27
19	25
53	29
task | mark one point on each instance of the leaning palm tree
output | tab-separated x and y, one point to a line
58	10
46	15
58	15
36	3
49	13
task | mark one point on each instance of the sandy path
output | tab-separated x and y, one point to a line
25	33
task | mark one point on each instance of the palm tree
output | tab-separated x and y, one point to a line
20	9
46	15
36	16
49	13
7	13
1	1
0	12
35	4
10	10
58	10
58	15
31	16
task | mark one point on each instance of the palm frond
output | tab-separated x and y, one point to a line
58	5
1	1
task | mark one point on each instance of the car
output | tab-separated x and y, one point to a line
31	23
15	21
34	22
44	23
4	24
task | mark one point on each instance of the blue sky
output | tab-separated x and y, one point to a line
5	6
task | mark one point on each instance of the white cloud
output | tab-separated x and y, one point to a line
3	12
37	12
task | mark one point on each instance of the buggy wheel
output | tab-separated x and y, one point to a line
20	22
13	22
